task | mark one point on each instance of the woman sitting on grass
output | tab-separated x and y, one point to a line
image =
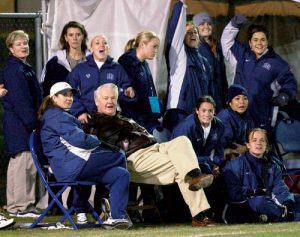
255	181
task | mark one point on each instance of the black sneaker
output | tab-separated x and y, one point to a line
31	214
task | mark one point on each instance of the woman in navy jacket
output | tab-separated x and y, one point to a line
73	50
237	122
265	75
254	179
205	131
147	109
98	69
190	75
75	155
211	50
20	105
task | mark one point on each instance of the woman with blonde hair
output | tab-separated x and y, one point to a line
20	118
255	181
189	72
147	108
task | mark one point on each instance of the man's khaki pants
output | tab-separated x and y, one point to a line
167	163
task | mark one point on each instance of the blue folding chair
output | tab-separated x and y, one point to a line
286	141
41	164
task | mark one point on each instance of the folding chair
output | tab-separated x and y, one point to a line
286	141
42	166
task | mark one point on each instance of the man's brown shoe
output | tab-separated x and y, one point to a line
201	181
205	222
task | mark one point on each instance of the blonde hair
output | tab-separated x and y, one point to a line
254	130
94	37
190	23
14	35
142	37
98	92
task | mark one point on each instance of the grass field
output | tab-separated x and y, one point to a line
267	230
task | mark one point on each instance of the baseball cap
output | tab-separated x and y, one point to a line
61	88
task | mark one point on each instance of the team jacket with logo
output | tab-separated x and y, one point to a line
209	151
87	77
263	78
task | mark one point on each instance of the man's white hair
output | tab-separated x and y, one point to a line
99	90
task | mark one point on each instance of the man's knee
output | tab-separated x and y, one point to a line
182	140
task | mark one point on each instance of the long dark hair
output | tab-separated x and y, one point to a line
73	24
46	104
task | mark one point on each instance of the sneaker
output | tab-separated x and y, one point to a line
105	207
5	222
11	214
201	181
121	224
81	218
31	214
263	218
206	221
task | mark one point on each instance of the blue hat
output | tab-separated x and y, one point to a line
235	90
201	17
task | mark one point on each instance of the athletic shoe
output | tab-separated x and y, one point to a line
105	207
5	222
263	218
121	224
31	214
81	218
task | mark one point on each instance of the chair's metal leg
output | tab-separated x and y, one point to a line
54	200
95	214
62	219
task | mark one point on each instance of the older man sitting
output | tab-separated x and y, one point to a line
148	161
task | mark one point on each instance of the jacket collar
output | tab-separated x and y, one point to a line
62	58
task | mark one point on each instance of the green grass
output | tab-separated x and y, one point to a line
291	229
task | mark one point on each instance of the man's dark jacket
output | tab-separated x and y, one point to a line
120	131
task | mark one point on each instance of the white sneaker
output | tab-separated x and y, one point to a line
263	218
81	218
5	222
105	207
122	224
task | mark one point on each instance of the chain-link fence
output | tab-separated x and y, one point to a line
8	25
31	24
